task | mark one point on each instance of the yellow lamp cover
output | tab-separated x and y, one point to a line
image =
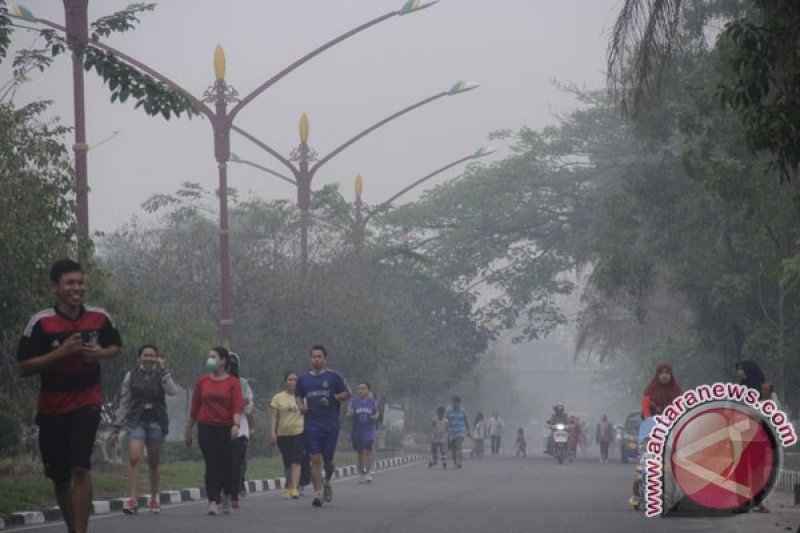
359	185
219	62
304	128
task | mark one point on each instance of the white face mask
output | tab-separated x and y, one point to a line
212	363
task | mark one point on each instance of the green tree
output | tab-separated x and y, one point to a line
36	217
382	318
123	80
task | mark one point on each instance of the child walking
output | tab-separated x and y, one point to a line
521	446
438	439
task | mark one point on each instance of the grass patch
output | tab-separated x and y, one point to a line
25	492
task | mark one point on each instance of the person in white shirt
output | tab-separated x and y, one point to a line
495	427
246	431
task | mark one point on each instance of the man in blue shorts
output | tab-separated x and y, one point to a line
319	393
458	423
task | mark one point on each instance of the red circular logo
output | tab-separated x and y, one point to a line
724	458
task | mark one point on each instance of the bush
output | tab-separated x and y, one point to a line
10	427
176	450
394	439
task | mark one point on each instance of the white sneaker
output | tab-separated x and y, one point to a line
226	504
212	508
368	478
362	479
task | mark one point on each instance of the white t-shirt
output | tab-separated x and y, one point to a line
244	424
479	431
495	426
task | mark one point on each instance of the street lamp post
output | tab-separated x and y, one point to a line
77	33
304	171
359	226
361	219
220	94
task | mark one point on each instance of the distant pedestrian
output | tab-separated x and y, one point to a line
142	413
439	430
217	405
495	427
458	425
522	446
241	444
603	435
319	394
364	410
660	392
287	432
478	436
748	373
65	344
574	428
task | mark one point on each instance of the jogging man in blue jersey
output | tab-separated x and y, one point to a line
319	394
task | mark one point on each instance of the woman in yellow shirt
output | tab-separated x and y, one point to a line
287	433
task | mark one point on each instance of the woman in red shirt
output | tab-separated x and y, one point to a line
216	407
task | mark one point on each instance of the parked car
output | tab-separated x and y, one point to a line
629	443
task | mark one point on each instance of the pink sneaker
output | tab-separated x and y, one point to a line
155	507
235	503
130	507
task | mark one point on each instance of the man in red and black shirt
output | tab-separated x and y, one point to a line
65	345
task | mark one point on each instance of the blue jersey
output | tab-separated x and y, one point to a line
313	387
457	420
363	424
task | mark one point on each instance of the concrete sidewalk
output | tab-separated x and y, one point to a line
783	516
99	507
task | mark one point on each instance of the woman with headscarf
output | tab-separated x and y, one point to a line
748	373
660	392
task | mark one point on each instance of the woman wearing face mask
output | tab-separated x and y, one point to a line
660	392
143	413
216	407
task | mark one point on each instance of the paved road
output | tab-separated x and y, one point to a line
492	495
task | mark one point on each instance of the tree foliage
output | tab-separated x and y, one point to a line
36	217
381	317
123	80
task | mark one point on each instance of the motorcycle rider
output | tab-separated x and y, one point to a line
559	416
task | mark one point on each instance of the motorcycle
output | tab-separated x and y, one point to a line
560	441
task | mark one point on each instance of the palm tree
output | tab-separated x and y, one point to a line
638	51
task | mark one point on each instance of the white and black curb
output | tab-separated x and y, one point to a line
26	518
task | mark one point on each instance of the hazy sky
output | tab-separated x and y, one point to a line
513	48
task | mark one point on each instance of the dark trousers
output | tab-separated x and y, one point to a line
495	444
305	470
238	458
604	450
215	443
437	451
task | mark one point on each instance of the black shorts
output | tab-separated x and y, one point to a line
66	441
292	449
